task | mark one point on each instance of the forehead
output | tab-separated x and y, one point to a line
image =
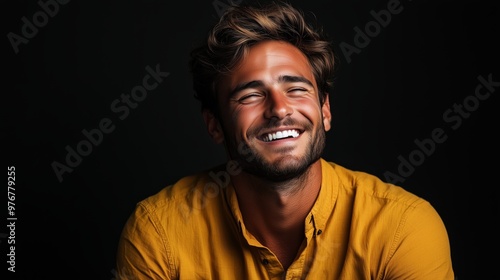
273	53
266	62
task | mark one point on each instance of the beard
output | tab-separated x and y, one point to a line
285	168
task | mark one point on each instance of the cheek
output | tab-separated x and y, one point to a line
241	119
311	111
249	116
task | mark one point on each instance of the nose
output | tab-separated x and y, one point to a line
278	105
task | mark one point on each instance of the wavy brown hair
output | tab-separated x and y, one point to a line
243	26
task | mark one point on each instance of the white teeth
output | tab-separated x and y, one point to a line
281	134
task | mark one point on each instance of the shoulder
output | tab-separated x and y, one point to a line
367	196
190	193
146	240
375	202
405	227
363	185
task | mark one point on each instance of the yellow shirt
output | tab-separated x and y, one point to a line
358	228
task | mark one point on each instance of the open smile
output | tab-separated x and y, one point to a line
280	134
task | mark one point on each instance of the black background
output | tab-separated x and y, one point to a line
393	92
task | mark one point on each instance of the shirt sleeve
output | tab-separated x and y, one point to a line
421	247
143	251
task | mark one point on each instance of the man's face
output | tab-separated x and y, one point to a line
271	117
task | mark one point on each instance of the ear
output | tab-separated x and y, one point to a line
327	114
213	126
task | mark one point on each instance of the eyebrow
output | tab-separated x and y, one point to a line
243	86
294	79
259	83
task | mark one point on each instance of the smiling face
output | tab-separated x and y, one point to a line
271	118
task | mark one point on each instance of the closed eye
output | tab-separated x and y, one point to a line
298	91
249	98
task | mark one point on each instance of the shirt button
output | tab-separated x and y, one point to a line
265	261
319	232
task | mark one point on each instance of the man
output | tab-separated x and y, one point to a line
277	209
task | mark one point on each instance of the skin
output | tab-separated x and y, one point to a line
273	89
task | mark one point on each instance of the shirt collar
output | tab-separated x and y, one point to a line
316	219
323	207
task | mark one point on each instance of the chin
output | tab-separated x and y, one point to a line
282	169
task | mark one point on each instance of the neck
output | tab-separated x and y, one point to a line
275	212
